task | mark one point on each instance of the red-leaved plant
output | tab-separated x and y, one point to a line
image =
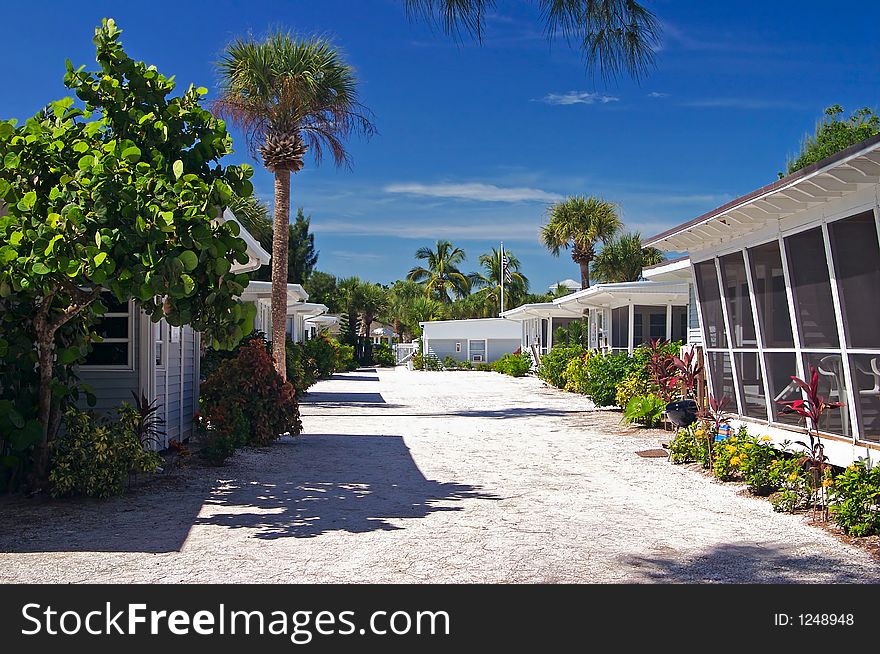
662	369
812	407
689	370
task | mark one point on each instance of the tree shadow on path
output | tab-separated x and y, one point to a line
327	482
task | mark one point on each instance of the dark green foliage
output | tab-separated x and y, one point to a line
515	365
95	455
250	382
321	288
301	254
855	500
576	334
553	364
690	445
833	135
322	349
645	410
623	258
383	355
302	370
422	362
605	372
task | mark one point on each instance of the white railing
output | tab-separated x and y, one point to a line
403	352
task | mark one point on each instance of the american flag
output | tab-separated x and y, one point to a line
505	263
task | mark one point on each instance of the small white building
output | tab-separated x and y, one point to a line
479	340
299	310
538	323
570	284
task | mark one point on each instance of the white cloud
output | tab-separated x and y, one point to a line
658	94
475	191
578	97
740	103
497	229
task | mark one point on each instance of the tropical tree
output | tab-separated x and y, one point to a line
442	278
301	254
833	135
425	309
322	288
489	280
349	299
102	200
401	298
254	216
580	223
372	302
623	258
290	96
614	36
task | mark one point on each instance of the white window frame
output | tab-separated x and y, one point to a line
130	365
160	333
485	355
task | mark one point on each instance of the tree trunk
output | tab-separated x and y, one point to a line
585	274
46	353
280	233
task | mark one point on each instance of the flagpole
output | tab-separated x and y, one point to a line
501	264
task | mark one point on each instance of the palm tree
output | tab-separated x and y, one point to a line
372	301
442	276
489	281
613	35
622	259
425	309
580	223
254	217
402	296
289	96
349	300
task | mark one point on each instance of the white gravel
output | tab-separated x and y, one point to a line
430	477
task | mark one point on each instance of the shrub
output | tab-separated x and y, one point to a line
94	455
225	431
645	410
730	454
690	445
855	500
757	465
302	371
250	382
575	374
482	366
633	385
345	357
790	477
553	364
451	363
515	365
605	372
323	350
383	355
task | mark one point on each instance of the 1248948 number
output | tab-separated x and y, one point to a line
825	619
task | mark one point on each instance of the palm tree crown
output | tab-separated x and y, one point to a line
580	223
489	281
622	259
441	278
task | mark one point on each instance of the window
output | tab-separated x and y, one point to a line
679	324
770	297
856	255
780	367
751	379
832	384
458	347
710	304
159	342
721	374
114	327
739	307
620	328
478	350
811	284
866	381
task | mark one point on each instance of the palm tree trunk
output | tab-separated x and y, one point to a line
280	221
585	274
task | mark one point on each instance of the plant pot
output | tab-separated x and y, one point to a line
682	413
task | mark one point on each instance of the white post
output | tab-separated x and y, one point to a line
632	327
501	270
668	321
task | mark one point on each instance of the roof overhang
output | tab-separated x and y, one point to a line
308	309
625	293
322	320
259	290
674	270
846	172
540	310
257	256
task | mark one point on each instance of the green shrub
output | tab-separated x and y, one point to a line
553	364
93	456
855	500
323	350
756	467
418	361
575	374
225	431
250	382
645	410
515	365
730	453
633	385
345	357
604	373
302	371
690	445
482	366
791	478
383	355
451	363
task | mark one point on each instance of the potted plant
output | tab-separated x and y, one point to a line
683	412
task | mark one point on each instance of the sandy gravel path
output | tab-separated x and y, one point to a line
430	477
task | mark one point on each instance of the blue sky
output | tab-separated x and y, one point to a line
475	140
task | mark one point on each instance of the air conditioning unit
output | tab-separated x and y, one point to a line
478	358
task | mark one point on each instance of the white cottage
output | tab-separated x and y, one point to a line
787	278
153	360
480	340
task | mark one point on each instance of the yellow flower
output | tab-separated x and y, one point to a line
699	432
734	461
766	438
793	476
827	482
730	448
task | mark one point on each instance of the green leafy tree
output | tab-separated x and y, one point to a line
254	216
322	289
489	281
121	195
402	297
580	223
301	254
349	297
833	135
623	258
614	36
372	301
290	96
441	276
